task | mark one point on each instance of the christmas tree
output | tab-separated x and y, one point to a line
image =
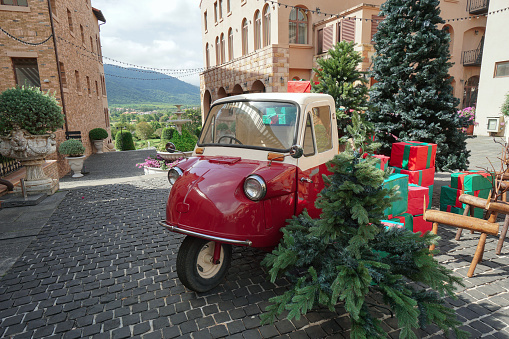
412	99
347	254
339	76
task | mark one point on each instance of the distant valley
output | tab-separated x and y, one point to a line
125	87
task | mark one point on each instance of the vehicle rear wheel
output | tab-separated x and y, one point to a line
195	267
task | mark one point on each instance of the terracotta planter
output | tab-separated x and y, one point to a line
98	145
76	164
31	150
470	130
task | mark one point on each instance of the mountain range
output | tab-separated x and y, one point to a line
126	86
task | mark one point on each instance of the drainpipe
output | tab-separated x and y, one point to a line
58	65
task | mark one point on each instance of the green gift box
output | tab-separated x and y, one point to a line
430	196
478	212
472	180
399	206
450	196
406	218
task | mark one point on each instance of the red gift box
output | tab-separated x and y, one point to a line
421	225
384	160
425	177
413	155
416	196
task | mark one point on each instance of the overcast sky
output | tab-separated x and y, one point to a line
153	33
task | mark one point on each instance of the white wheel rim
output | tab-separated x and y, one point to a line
204	265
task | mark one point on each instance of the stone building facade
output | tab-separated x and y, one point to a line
277	53
68	64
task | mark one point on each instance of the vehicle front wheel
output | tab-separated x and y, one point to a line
195	267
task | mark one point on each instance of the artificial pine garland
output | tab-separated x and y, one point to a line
347	254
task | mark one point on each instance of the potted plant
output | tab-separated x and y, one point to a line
184	142
468	115
97	135
157	165
74	150
28	117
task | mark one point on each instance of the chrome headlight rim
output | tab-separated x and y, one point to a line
171	174
262	190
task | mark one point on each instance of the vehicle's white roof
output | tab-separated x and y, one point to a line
300	98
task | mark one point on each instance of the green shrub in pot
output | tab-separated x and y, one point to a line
71	148
98	134
30	109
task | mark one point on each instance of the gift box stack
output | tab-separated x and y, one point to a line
476	182
416	160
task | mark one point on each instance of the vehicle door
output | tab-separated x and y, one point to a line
319	142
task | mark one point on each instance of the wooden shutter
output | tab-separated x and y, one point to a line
375	20
348	29
320	41
328	38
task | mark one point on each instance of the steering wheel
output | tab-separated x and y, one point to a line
231	139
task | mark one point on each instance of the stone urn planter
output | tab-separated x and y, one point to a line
97	135
76	164
31	150
154	170
74	152
174	156
98	144
28	117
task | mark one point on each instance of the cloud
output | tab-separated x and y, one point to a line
153	33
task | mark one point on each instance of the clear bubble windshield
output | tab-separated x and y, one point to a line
251	124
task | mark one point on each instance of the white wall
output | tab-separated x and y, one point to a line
492	90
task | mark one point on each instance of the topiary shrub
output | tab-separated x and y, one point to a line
124	141
184	142
71	148
167	133
31	109
98	134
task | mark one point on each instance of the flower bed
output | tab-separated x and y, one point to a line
157	164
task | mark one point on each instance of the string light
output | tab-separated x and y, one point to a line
376	20
26	42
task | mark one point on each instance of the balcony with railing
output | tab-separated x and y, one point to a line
478	6
472	57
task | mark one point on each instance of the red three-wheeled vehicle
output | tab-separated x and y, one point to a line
259	161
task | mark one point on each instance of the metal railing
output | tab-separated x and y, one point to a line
478	6
8	165
472	57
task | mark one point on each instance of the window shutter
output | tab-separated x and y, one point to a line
375	20
348	29
328	38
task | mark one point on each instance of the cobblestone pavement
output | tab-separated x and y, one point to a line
101	267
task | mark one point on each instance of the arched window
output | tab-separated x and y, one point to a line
207	55
298	26
257	30
218	51
230	44
222	48
245	48
266	25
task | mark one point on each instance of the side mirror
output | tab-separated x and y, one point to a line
170	147
296	151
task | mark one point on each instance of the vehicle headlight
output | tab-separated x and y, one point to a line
255	187
173	174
